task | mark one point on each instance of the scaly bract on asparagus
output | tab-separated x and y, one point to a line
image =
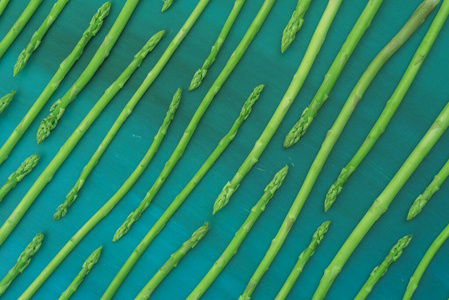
294	24
5	100
166	5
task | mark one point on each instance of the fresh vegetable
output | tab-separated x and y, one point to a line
167	4
5	100
294	24
3	4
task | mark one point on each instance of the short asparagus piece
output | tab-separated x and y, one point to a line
433	187
425	261
3	4
25	168
294	24
199	75
380	270
190	130
38	35
302	260
381	204
389	110
240	235
307	116
5	100
87	266
167	4
53	85
149	288
22	262
19	25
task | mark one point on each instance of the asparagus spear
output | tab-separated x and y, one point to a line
5	100
382	202
188	133
99	215
240	235
25	168
52	86
167	4
389	110
38	35
149	288
199	75
307	116
73	194
298	80
3	4
58	108
18	26
433	187
302	260
380	270
22	262
294	24
87	266
425	261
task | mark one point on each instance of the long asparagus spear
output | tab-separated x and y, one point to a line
3	4
240	235
99	215
199	75
167	4
388	112
149	288
298	80
38	35
380	270
294	24
433	187
5	100
22	262
302	260
188	133
85	270
307	116
382	202
18	26
58	108
52	86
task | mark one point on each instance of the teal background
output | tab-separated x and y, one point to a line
263	63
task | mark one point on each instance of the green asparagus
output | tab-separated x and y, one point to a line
149	288
19	25
389	110
380	270
25	168
302	260
3	4
199	75
433	187
307	116
294	24
5	100
276	119
52	86
167	4
87	266
38	35
22	262
240	235
380	205
188	133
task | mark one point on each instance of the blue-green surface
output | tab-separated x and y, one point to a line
263	63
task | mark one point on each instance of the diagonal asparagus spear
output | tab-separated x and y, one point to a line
5	100
3	4
294	24
167	4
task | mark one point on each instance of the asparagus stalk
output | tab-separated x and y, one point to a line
188	133
22	262
298	80
307	116
5	100
53	85
25	168
240	235
199	75
149	288
167	4
389	110
58	108
294	24
382	202
425	261
19	25
3	4
380	270
38	35
108	206
302	260
87	266
433	187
